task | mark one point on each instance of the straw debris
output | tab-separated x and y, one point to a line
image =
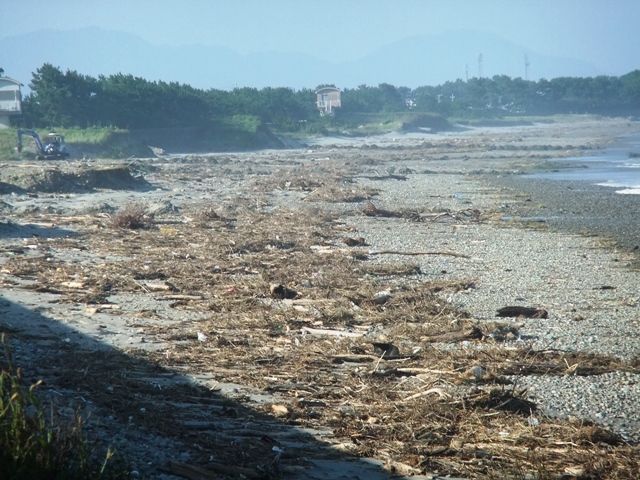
365	348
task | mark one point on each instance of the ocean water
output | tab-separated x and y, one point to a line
617	167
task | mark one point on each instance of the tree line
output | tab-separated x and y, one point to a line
70	99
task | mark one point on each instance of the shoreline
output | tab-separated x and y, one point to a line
576	207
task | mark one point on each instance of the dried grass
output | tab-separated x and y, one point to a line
132	216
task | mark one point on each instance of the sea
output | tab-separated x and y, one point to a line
616	166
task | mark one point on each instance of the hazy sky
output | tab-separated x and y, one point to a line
603	32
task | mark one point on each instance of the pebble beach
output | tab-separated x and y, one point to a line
466	197
566	247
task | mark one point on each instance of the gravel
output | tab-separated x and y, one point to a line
562	272
555	268
576	206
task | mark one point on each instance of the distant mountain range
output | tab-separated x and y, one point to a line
412	62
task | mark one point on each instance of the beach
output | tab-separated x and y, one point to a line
172	337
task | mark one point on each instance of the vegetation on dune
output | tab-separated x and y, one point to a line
94	112
122	101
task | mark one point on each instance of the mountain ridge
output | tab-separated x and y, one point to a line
412	62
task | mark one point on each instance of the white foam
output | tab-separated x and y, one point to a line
618	184
613	184
629	191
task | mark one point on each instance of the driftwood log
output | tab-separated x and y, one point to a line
522	312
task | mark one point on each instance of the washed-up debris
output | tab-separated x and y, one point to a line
324	360
390	176
396	252
332	333
595	434
180	297
387	350
522	312
343	193
471	332
311	403
438	391
98	308
460	216
157	151
132	216
281	292
324	249
475	373
502	399
354	242
380	298
370	210
159	287
280	410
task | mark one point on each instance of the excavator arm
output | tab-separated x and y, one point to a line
35	136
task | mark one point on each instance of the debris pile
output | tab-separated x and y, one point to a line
371	351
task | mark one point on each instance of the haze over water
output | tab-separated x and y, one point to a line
612	167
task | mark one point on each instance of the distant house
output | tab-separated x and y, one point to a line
10	100
327	99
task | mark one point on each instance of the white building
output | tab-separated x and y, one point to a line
328	98
10	100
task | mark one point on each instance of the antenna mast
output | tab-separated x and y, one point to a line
480	66
466	69
526	66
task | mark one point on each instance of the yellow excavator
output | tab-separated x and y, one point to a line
54	149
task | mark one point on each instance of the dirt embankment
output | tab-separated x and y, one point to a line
66	178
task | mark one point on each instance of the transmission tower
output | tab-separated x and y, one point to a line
480	66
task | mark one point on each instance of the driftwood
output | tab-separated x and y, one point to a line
585	369
408	371
458	216
370	210
334	333
440	392
354	242
385	177
322	249
354	358
522	312
473	333
396	252
180	297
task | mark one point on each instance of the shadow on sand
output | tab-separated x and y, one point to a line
29	230
157	416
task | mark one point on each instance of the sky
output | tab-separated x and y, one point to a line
605	33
